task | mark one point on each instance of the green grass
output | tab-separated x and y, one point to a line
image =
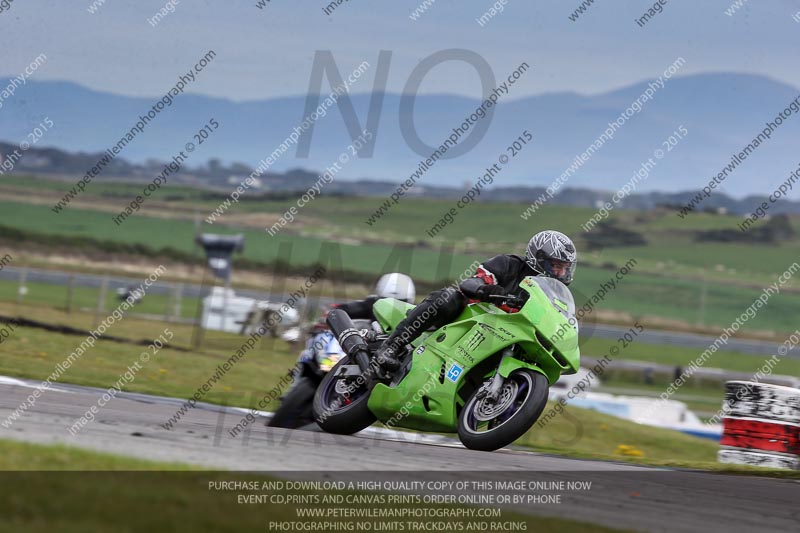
155	233
682	300
131	327
670	237
586	433
639	294
34	353
407	222
118	190
666	283
23	456
56	296
681	356
636	295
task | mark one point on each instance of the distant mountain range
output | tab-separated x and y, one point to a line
722	112
220	178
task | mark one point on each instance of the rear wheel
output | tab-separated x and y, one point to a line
295	409
340	405
488	425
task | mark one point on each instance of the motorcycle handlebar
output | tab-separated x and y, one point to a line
508	298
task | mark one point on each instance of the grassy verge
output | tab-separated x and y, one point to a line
131	327
22	456
34	353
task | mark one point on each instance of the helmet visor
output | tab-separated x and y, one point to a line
563	271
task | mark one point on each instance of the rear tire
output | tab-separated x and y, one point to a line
525	391
295	409
339	413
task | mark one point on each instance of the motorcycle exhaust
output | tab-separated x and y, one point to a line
349	338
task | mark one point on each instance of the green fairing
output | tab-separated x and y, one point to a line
428	401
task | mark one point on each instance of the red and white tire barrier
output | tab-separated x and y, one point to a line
761	425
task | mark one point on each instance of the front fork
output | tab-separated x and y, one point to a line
491	390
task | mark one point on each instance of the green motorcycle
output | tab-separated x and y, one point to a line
485	376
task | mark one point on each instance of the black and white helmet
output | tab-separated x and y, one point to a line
553	254
397	286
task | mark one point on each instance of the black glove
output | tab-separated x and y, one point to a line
515	302
485	291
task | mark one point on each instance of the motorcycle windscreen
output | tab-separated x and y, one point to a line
389	312
560	296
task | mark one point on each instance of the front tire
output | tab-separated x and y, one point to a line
338	411
295	409
489	426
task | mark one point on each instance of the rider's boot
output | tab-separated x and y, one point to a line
418	320
388	355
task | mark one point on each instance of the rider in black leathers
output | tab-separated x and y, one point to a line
549	253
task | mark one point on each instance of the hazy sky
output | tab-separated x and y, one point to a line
264	53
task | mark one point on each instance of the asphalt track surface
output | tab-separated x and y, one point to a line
622	496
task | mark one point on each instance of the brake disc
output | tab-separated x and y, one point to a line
485	409
343	387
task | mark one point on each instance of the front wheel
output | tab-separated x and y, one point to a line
340	405
489	425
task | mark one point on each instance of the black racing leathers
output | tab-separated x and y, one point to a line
443	306
507	271
360	309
